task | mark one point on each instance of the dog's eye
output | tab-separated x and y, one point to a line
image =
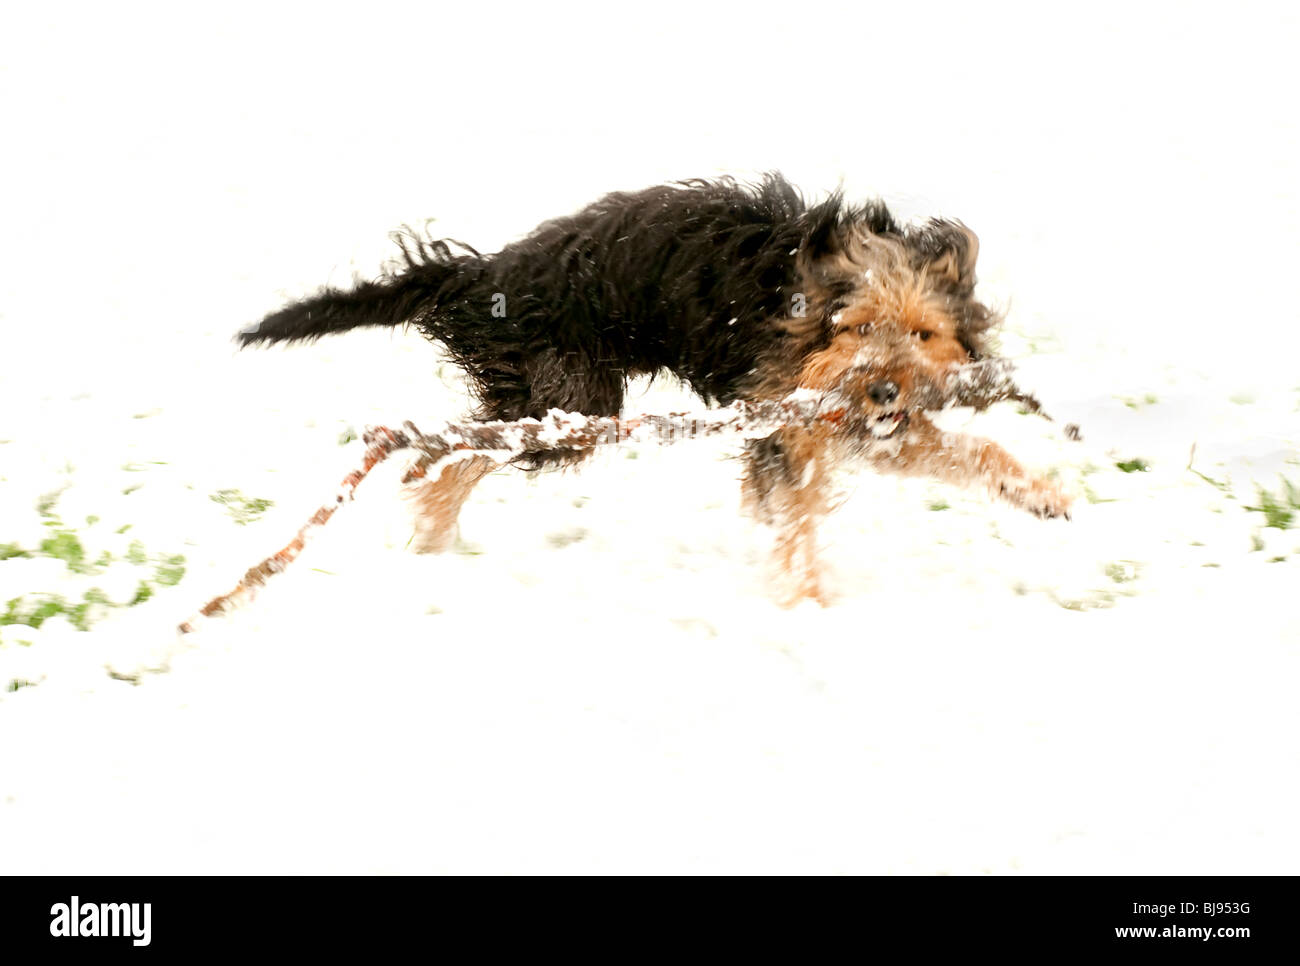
923	335
864	328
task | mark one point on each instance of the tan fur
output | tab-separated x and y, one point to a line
970	461
795	508
437	503
893	321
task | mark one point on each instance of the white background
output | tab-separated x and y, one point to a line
597	679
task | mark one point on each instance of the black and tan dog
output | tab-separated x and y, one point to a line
744	293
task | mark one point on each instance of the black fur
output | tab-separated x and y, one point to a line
690	277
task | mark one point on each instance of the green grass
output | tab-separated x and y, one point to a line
1148	399
45	503
566	538
1095	600
1221	485
242	509
64	543
1280	510
1122	571
32	611
1137	465
170	570
66	546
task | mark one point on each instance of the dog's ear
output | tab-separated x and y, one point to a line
835	228
823	228
948	251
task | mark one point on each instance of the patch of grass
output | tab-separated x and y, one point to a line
65	546
1091	496
1148	399
46	501
62	543
1256	543
1122	571
33	611
348	435
566	537
1096	600
1220	485
170	570
1280	510
79	614
242	509
937	505
1137	465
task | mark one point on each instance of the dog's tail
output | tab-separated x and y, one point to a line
431	270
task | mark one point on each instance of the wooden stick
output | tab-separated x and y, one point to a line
980	385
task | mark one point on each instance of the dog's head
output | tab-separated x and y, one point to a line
897	315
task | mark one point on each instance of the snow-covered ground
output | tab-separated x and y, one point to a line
596	680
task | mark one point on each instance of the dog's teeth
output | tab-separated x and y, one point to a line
886	426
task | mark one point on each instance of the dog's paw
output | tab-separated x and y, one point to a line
1043	498
790	588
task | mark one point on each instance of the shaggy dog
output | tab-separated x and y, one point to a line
742	292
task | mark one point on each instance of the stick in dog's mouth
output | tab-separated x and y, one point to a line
980	385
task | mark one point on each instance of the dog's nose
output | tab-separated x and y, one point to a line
883	393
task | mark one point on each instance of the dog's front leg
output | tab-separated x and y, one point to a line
436	503
924	450
786	485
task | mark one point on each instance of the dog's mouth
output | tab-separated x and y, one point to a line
887	424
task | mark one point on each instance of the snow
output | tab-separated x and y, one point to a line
596	679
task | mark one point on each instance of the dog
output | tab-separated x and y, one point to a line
743	292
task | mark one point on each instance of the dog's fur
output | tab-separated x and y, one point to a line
743	292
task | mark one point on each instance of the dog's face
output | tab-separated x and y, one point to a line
901	317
